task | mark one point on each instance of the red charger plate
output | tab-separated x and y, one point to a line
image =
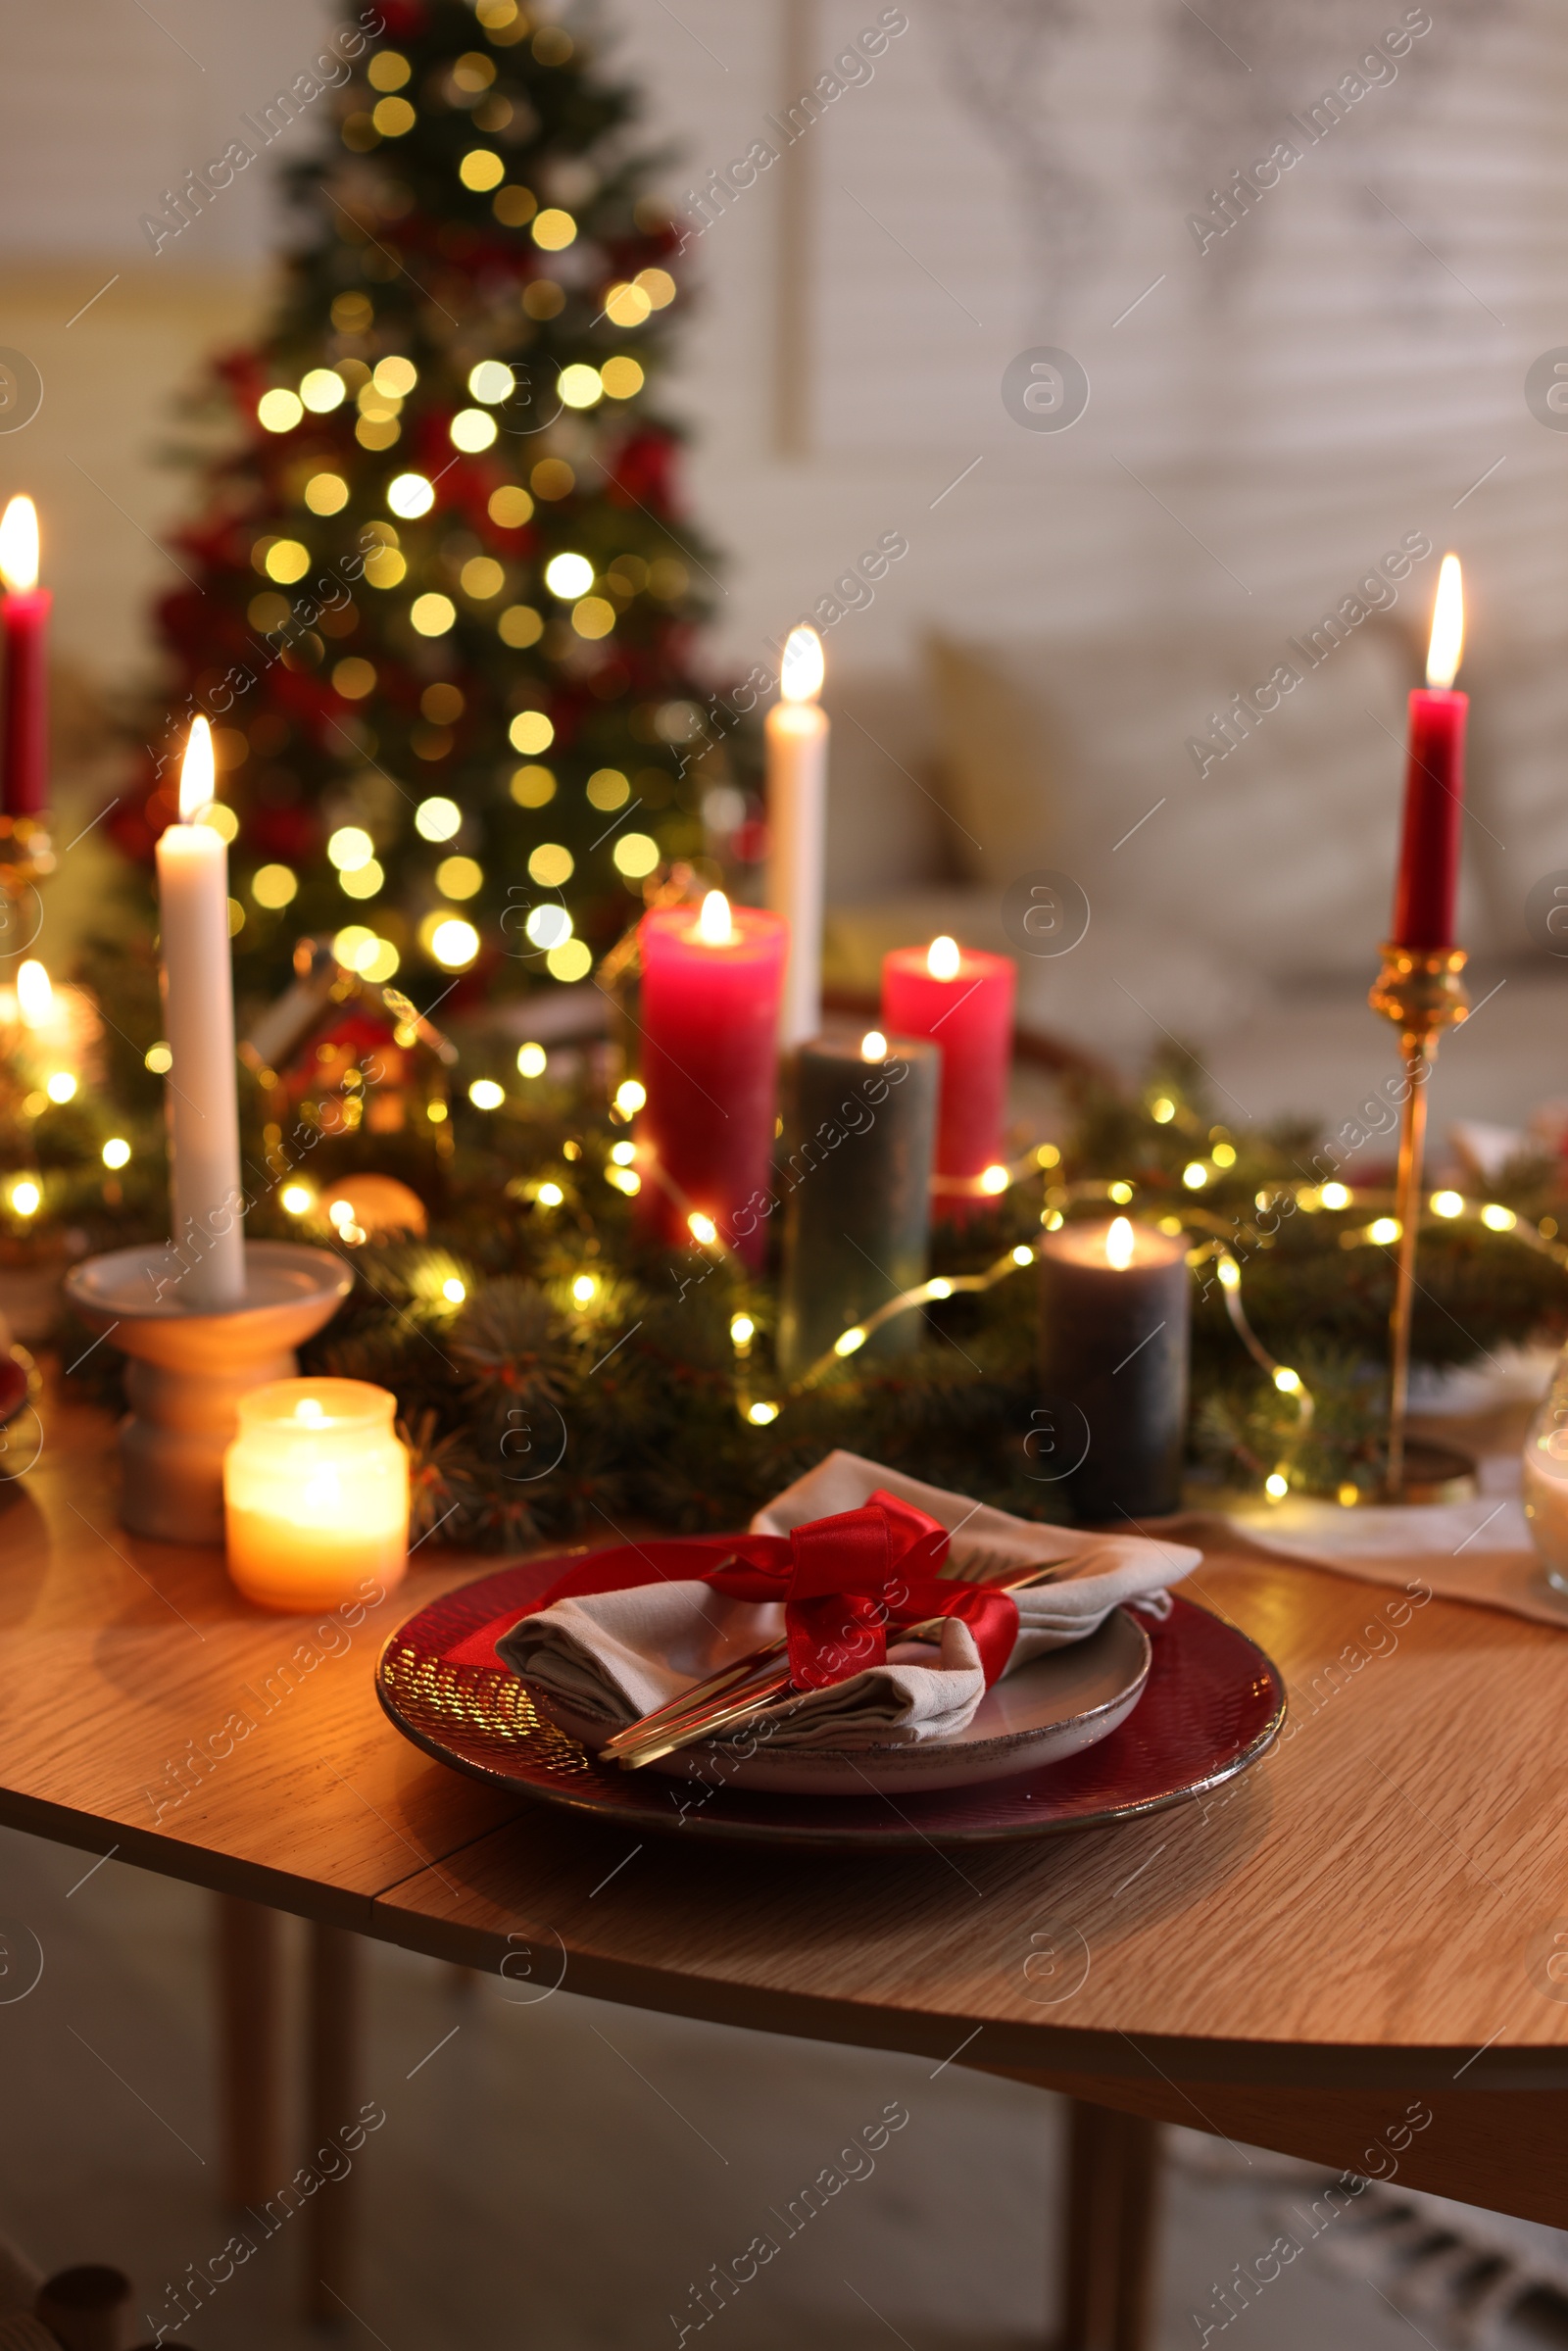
1212	1706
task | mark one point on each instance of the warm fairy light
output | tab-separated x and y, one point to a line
759	1415
19	545
940	1288
1121	1193
1288	1382
941	959
454	1291
25	1197
1194	1175
873	1046
993	1179
1162	1111
1335	1196
550	1196
567	576
1223	1154
35	995
1023	1254
623	1153
1277	1485
61	1086
742	1330
1382	1230
116	1152
1496	1218
1447	1204
454	945
585	1290
1348	1496
702	1228
411	494
1119	1244
196	772
1448	625
801	672
532	1060
630	1096
849	1342
486	1095
714	927
1230	1274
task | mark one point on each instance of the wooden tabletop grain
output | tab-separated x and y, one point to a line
1382	1900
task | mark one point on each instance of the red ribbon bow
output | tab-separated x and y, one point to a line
843	1580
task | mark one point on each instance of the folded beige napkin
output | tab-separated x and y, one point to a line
1477	1551
614	1656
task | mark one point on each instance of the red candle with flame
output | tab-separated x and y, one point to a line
962	1000
1433	783
711	981
24	625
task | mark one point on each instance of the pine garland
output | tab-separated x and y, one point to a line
558	1379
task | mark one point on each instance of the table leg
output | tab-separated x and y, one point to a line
332	2103
249	1943
1108	2253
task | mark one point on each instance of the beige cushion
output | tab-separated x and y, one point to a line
1278	860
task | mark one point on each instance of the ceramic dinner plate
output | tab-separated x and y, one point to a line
1211	1705
1047	1710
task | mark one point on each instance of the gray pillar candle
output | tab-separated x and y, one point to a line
856	1182
1116	1315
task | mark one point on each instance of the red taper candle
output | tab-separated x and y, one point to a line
1433	783
712	982
24	625
962	1000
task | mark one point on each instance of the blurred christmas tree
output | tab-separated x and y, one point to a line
436	612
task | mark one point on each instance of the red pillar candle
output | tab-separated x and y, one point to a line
962	1000
25	624
1433	783
712	982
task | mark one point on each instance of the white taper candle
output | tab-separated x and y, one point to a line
205	1200
796	820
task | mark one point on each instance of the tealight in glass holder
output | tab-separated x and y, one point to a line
316	1494
1545	1478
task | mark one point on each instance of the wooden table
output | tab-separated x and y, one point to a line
1357	1952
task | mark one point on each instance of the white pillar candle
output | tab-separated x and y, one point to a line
204	1195
316	1494
797	817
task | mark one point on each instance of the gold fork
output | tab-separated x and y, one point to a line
737	1692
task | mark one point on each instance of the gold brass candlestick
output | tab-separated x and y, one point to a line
1418	989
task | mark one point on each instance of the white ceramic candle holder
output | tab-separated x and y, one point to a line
189	1368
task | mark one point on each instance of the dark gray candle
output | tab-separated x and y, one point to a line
1115	1312
856	1182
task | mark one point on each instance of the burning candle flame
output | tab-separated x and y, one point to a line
714	927
1119	1244
18	544
35	994
196	772
1448	625
941	959
873	1046
800	671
